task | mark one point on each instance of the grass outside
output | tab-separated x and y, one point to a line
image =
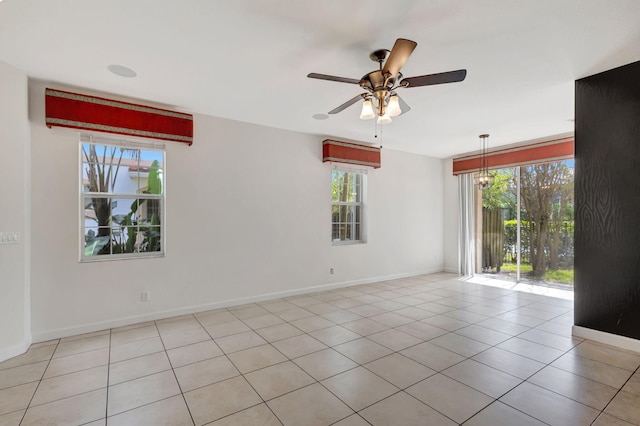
562	276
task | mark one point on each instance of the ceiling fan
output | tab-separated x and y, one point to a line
381	84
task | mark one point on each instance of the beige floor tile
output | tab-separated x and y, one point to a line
277	306
334	335
293	314
594	370
313	323
365	326
359	387
436	308
22	374
550	339
16	398
444	394
391	319
32	356
392	305
483	378
278	379
263	321
341	316
363	350
145	390
193	353
400	370
12	419
278	332
607	420
405	410
353	420
414	313
557	328
585	391
129	327
214	317
464	315
509	362
256	415
633	385
136	349
133	335
394	339
205	372
499	414
459	344
176	339
432	356
367	310
346	303
548	406
294	347
421	330
625	406
76	410
220	399
245	312
82	345
535	351
446	323
484	335
167	412
520	319
135	368
322	308
227	328
182	323
238	342
325	363
84	335
70	384
310	406
73	363
608	355
503	326
255	358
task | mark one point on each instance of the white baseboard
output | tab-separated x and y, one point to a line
120	322
451	269
15	350
621	342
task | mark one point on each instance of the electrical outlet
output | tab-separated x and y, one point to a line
331	271
145	296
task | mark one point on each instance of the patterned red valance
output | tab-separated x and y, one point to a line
522	155
350	153
66	109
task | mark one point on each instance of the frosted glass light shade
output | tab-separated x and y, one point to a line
385	119
393	107
367	110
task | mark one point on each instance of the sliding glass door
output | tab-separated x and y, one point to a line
535	245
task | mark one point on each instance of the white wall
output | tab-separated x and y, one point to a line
14	212
451	217
248	211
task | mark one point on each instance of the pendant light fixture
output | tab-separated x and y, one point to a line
484	178
367	110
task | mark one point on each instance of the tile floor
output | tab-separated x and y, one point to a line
428	350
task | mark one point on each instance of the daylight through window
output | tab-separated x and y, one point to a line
122	200
347	206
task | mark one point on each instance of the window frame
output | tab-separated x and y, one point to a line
85	196
361	204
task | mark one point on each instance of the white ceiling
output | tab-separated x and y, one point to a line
247	60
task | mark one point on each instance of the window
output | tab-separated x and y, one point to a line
347	207
122	199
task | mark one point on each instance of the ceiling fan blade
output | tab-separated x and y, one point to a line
333	78
403	106
346	104
401	51
430	79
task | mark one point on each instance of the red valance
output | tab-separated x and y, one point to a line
66	109
522	155
350	153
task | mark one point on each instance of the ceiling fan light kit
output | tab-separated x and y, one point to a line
380	98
